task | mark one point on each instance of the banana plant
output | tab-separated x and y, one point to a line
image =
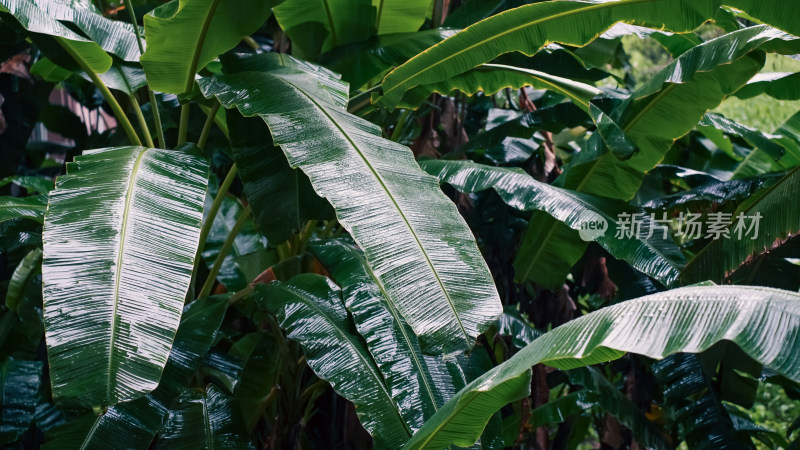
355	223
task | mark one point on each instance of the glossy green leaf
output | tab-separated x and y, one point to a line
656	256
35	19
26	269
262	363
707	194
31	207
120	235
113	36
31	183
281	197
19	394
419	384
491	78
529	28
782	86
316	26
412	235
185	35
763	322
401	16
775	224
135	424
753	137
760	161
204	419
310	308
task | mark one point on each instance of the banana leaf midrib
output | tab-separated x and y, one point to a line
400	83
129	195
201	40
394	203
379	381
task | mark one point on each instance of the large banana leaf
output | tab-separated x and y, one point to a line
19	394
310	308
135	424
760	161
529	28
204	419
775	224
413	237
36	20
419	384
120	235
658	257
782	86
651	118
316	26
185	35
764	322
27	268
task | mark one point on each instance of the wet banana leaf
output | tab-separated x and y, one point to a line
262	362
19	394
204	419
765	224
412	235
120	235
755	138
419	384
713	192
759	161
763	322
184	35
31	207
35	19
309	307
136	423
655	255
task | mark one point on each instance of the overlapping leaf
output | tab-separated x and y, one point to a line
310	308
32	208
120	235
413	237
763	322
656	255
19	394
317	26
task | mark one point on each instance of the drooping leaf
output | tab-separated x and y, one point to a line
754	137
31	207
281	197
31	183
763	322
310	308
713	192
654	255
412	235
185	35
19	394
419	384
120	235
135	424
36	20
765	223
491	78
529	28
29	265
760	161
204	419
